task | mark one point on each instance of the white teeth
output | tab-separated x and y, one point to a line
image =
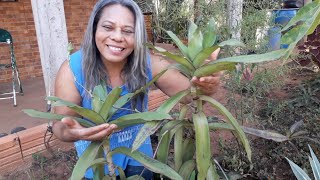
115	48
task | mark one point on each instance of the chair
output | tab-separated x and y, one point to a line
5	37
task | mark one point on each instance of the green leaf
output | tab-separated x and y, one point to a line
151	127
112	97
187	168
46	115
178	140
135	177
86	113
277	137
146	130
98	168
139	118
211	68
232	42
189	149
85	160
232	121
291	36
126	98
303	14
315	165
182	69
209	37
314	25
122	174
203	151
212	172
99	95
176	40
191	30
203	55
179	59
166	134
172	101
195	45
148	162
298	172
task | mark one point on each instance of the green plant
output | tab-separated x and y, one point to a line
191	63
315	165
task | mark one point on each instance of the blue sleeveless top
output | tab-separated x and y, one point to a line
126	136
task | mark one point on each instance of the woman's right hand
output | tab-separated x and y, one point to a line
69	130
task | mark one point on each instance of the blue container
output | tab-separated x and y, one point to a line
274	38
283	16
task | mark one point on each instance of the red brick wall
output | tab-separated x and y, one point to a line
17	18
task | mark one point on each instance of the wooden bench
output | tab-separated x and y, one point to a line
16	149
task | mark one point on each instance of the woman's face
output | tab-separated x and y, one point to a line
115	34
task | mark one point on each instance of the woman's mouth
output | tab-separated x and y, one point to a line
117	49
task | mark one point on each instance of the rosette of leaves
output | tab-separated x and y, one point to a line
193	156
104	106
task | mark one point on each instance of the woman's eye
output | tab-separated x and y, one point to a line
108	27
128	31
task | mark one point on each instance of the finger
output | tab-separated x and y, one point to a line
86	132
209	79
100	135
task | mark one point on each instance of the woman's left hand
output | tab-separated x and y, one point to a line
208	84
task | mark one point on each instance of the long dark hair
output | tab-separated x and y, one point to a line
134	71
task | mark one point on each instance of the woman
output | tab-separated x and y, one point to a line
113	51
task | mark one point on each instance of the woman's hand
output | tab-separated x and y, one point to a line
70	130
208	84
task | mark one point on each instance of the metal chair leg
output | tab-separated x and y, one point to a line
14	88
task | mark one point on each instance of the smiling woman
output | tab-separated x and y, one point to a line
113	55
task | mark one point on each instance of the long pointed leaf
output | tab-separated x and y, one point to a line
203	151
151	127
189	149
209	36
178	140
147	129
112	97
139	118
126	98
303	14
298	172
148	162
212	172
86	113
209	69
203	55
172	101
85	160
46	115
277	137
314	164
191	30
177	41
195	45
232	42
187	168
179	59
99	95
232	121
166	134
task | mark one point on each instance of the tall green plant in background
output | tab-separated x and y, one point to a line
192	153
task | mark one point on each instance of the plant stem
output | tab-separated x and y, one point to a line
111	167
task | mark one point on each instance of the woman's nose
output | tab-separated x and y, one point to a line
117	35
